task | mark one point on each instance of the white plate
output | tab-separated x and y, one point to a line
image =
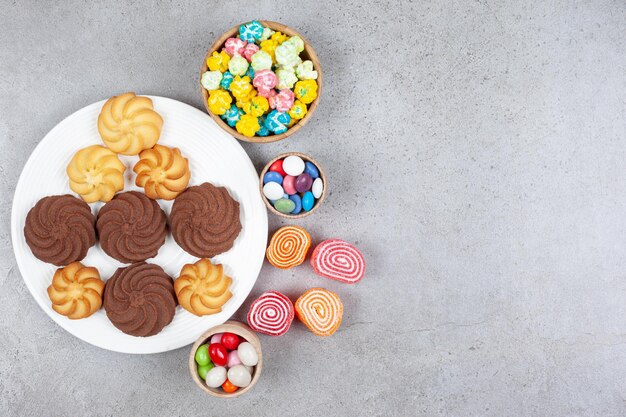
213	156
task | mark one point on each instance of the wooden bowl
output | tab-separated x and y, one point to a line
239	329
318	201
308	53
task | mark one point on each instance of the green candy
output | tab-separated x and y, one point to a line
284	205
204	369
202	355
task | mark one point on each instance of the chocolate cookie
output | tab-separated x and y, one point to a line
60	229
139	299
205	220
131	227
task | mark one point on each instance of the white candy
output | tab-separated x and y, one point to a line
250	369
216	377
273	191
239	376
317	188
247	353
211	80
293	165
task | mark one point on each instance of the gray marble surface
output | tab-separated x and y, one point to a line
476	152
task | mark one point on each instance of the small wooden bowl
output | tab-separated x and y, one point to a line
239	329
308	53
318	201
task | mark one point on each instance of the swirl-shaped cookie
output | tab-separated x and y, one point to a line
205	220
288	247
96	173
162	172
60	229
320	310
128	124
76	291
203	288
139	299
131	227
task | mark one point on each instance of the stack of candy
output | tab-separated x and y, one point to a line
258	83
293	185
228	361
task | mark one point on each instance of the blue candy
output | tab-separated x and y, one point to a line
232	115
307	201
272	176
227	78
250	72
296	199
263	131
277	121
311	169
251	31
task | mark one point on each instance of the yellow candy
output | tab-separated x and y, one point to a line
241	87
269	46
298	110
256	106
248	125
241	102
306	91
292	122
279	37
218	61
219	101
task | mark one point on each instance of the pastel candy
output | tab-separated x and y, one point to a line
217	338
283	101
251	31
284	205
234	46
286	78
261	60
293	165
311	169
233	359
241	87
211	80
250	72
218	61
298	201
289	184
270	46
271	314
305	90
297	43
298	110
317	188
219	101
227	78
232	115
264	81
305	71
303	182
250	50
247	125
277	121
257	106
288	246
279	37
238	65
320	310
287	56
338	260
271	176
267	32
262	129
307	201
273	191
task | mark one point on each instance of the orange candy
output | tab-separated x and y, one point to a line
228	387
288	247
320	310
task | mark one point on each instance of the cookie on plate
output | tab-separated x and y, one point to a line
76	291
203	288
60	229
96	173
162	172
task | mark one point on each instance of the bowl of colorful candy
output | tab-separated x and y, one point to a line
261	81
226	360
293	185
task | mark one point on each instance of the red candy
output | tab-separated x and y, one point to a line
230	341
271	314
338	260
278	167
218	354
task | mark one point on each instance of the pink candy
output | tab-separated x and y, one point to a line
250	50
265	81
234	46
233	359
289	184
283	101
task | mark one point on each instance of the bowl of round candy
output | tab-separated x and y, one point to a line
293	185
226	360
261	81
